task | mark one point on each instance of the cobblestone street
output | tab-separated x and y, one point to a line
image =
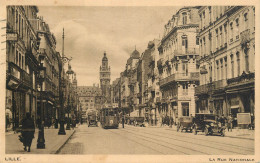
137	140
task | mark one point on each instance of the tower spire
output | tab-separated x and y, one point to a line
63	36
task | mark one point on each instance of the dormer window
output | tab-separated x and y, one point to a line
184	18
237	22
245	17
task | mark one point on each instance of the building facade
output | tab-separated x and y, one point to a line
177	66
227	64
22	62
90	98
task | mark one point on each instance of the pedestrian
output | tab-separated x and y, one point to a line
230	123
28	130
16	123
222	120
123	121
6	122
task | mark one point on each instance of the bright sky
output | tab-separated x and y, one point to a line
89	31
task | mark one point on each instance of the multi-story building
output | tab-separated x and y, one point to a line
90	98
21	61
105	79
227	69
47	49
177	66
131	74
115	93
153	88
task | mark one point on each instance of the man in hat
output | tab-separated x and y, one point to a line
28	130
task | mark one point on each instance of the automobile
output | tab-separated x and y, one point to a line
139	121
200	120
214	127
185	123
92	119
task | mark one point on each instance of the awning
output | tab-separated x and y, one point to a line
234	107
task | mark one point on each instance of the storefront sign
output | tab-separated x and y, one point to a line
243	118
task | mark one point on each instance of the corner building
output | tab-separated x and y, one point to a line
177	66
227	63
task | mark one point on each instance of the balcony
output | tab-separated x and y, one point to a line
180	77
186	51
220	84
245	77
203	89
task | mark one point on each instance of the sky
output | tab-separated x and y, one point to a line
89	31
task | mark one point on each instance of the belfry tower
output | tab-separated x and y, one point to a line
105	79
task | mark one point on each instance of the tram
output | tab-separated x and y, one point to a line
109	117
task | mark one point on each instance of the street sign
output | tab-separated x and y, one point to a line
11	37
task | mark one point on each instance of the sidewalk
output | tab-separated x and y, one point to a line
241	133
236	133
53	142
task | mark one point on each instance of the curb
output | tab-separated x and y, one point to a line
64	143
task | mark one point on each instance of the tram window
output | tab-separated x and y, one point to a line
106	113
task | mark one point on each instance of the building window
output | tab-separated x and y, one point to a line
232	65
185	42
238	64
184	18
225	59
16	59
197	40
231	32
217	70
245	17
222	72
20	59
185	108
246	62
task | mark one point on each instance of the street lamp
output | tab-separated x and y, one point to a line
41	140
62	85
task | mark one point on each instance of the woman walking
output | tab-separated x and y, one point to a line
28	130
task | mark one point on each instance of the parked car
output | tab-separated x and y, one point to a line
214	127
200	120
139	121
185	123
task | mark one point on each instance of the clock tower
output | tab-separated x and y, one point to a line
105	79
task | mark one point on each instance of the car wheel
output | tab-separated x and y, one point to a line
223	133
206	131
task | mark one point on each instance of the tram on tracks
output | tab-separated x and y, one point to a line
109	118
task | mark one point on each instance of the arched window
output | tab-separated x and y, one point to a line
184	18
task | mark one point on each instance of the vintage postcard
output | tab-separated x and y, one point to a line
129	81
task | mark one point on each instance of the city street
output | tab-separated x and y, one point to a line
153	140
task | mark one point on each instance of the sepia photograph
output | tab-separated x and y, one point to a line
130	80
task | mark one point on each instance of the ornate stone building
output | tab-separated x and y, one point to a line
227	64
177	66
